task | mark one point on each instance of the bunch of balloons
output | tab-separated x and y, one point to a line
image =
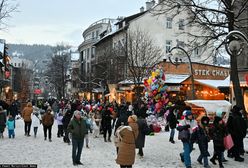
155	89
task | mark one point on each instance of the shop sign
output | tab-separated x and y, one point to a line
214	72
37	91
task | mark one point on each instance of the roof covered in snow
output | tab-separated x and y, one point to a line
174	78
215	83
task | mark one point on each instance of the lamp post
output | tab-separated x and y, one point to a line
176	63
234	44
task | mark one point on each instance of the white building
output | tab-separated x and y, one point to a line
167	31
18	62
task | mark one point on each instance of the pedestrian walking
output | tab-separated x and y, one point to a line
127	135
77	127
66	120
59	118
172	120
218	132
26	115
201	137
143	131
47	121
186	128
237	128
36	121
2	121
11	127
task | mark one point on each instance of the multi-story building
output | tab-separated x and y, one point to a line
87	51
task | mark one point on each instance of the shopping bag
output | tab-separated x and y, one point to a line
228	142
183	135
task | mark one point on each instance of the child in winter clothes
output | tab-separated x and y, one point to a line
36	121
201	136
218	132
59	119
188	125
11	127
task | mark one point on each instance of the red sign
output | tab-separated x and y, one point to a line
37	91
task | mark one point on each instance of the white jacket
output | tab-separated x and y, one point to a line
35	120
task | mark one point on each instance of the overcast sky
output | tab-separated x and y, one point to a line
55	21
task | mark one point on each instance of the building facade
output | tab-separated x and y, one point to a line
87	51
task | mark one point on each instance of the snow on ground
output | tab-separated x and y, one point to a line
159	153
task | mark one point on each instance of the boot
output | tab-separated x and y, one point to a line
109	139
105	140
171	140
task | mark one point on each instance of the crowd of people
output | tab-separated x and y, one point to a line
127	125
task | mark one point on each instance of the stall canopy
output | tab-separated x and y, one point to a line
211	105
215	83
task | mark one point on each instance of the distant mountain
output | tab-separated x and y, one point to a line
32	52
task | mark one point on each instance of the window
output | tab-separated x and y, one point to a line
88	53
93	35
88	67
181	24
197	51
97	34
169	23
168	46
92	52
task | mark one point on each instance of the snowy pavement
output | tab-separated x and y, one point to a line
159	153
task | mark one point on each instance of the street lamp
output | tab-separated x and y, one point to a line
176	63
234	44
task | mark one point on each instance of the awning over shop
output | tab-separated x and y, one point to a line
215	83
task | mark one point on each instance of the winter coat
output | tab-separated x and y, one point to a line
77	128
36	121
217	133
59	119
106	119
201	137
236	125
189	125
66	119
171	118
143	128
26	113
47	119
126	152
10	124
13	109
2	121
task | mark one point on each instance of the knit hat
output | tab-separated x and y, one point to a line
205	120
187	113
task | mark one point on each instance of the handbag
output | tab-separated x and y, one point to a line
183	135
228	142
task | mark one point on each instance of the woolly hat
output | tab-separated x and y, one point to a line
187	113
204	120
